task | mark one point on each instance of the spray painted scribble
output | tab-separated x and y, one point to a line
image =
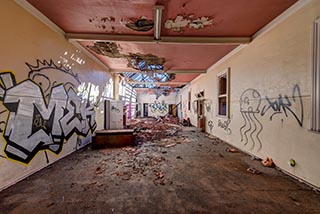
160	107
211	125
250	101
285	105
44	73
225	125
115	109
42	116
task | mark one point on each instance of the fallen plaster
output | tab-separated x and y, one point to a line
180	23
181	171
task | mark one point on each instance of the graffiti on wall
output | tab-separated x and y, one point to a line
159	107
285	105
42	112
250	101
251	106
225	125
115	109
211	125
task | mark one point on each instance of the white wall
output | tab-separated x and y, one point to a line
156	107
276	64
35	90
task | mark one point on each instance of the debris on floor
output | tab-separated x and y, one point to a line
253	171
153	129
179	173
268	162
231	150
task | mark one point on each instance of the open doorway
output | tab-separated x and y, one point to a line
200	111
145	109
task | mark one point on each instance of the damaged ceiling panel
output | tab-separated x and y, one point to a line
180	23
153	36
173	56
142	24
208	17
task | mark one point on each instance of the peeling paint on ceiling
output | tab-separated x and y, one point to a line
180	23
103	23
141	24
138	61
145	62
109	49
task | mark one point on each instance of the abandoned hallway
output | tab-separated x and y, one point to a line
159	106
186	171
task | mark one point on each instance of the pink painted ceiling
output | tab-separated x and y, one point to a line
176	56
229	18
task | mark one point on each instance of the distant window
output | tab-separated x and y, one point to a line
223	98
315	119
189	100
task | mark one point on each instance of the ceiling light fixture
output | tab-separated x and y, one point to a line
157	21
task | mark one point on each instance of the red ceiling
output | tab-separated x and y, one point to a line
230	18
176	56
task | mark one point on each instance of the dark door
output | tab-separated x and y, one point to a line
201	120
145	109
170	109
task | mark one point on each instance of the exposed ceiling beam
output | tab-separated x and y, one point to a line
158	83
160	71
163	40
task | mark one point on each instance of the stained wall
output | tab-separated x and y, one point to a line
49	93
270	97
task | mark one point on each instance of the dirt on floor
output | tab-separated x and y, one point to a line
185	171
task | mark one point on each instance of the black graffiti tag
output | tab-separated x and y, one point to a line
284	105
225	125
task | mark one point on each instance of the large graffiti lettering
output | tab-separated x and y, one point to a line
250	101
160	107
42	116
284	105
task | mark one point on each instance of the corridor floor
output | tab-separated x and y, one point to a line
184	173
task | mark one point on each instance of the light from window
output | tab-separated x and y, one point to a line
223	94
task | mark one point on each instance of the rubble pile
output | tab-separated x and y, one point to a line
145	161
154	128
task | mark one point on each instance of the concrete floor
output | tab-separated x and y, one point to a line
197	175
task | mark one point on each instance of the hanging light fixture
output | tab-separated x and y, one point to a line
157	21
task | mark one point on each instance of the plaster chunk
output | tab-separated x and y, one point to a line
180	23
177	24
201	22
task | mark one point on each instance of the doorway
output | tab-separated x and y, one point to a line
145	109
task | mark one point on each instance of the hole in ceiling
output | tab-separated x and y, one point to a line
141	24
145	62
